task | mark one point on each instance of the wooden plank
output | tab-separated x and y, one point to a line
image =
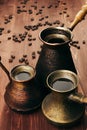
32	13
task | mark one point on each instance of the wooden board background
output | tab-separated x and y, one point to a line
52	10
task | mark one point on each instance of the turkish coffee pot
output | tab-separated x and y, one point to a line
64	106
55	53
22	92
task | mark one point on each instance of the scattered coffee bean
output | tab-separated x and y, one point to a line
10	60
30	44
34	39
12	56
46	16
67	15
32	19
49	6
78	47
33	55
60	13
8	31
84	42
21	60
38	52
43	7
24	55
9	38
26	62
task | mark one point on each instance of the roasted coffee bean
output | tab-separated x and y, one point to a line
32	19
43	7
24	55
9	38
35	2
8	31
29	39
84	42
30	11
30	44
33	56
29	35
74	42
62	25
64	12
49	6
0	33
56	6
60	13
67	15
64	3
10	17
46	16
18	7
21	60
10	60
78	47
38	52
65	8
34	39
12	56
26	62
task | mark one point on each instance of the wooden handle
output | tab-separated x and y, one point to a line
79	16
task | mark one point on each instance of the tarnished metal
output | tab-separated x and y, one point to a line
57	106
23	92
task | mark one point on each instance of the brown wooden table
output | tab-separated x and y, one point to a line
15	15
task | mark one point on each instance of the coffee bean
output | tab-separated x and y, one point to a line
30	44
34	39
60	13
67	15
43	7
12	56
32	19
24	55
26	62
38	52
46	16
9	38
84	42
10	60
21	60
8	31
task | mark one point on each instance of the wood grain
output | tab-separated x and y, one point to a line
51	11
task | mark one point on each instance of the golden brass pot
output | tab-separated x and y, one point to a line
64	105
23	92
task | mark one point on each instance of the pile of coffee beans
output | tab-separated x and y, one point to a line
34	11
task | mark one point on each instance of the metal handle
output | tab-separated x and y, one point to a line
80	15
4	68
78	98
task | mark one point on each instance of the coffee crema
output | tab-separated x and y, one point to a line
22	76
63	84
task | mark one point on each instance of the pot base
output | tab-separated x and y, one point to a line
20	107
62	114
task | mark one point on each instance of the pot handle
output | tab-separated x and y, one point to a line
5	70
78	97
79	16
